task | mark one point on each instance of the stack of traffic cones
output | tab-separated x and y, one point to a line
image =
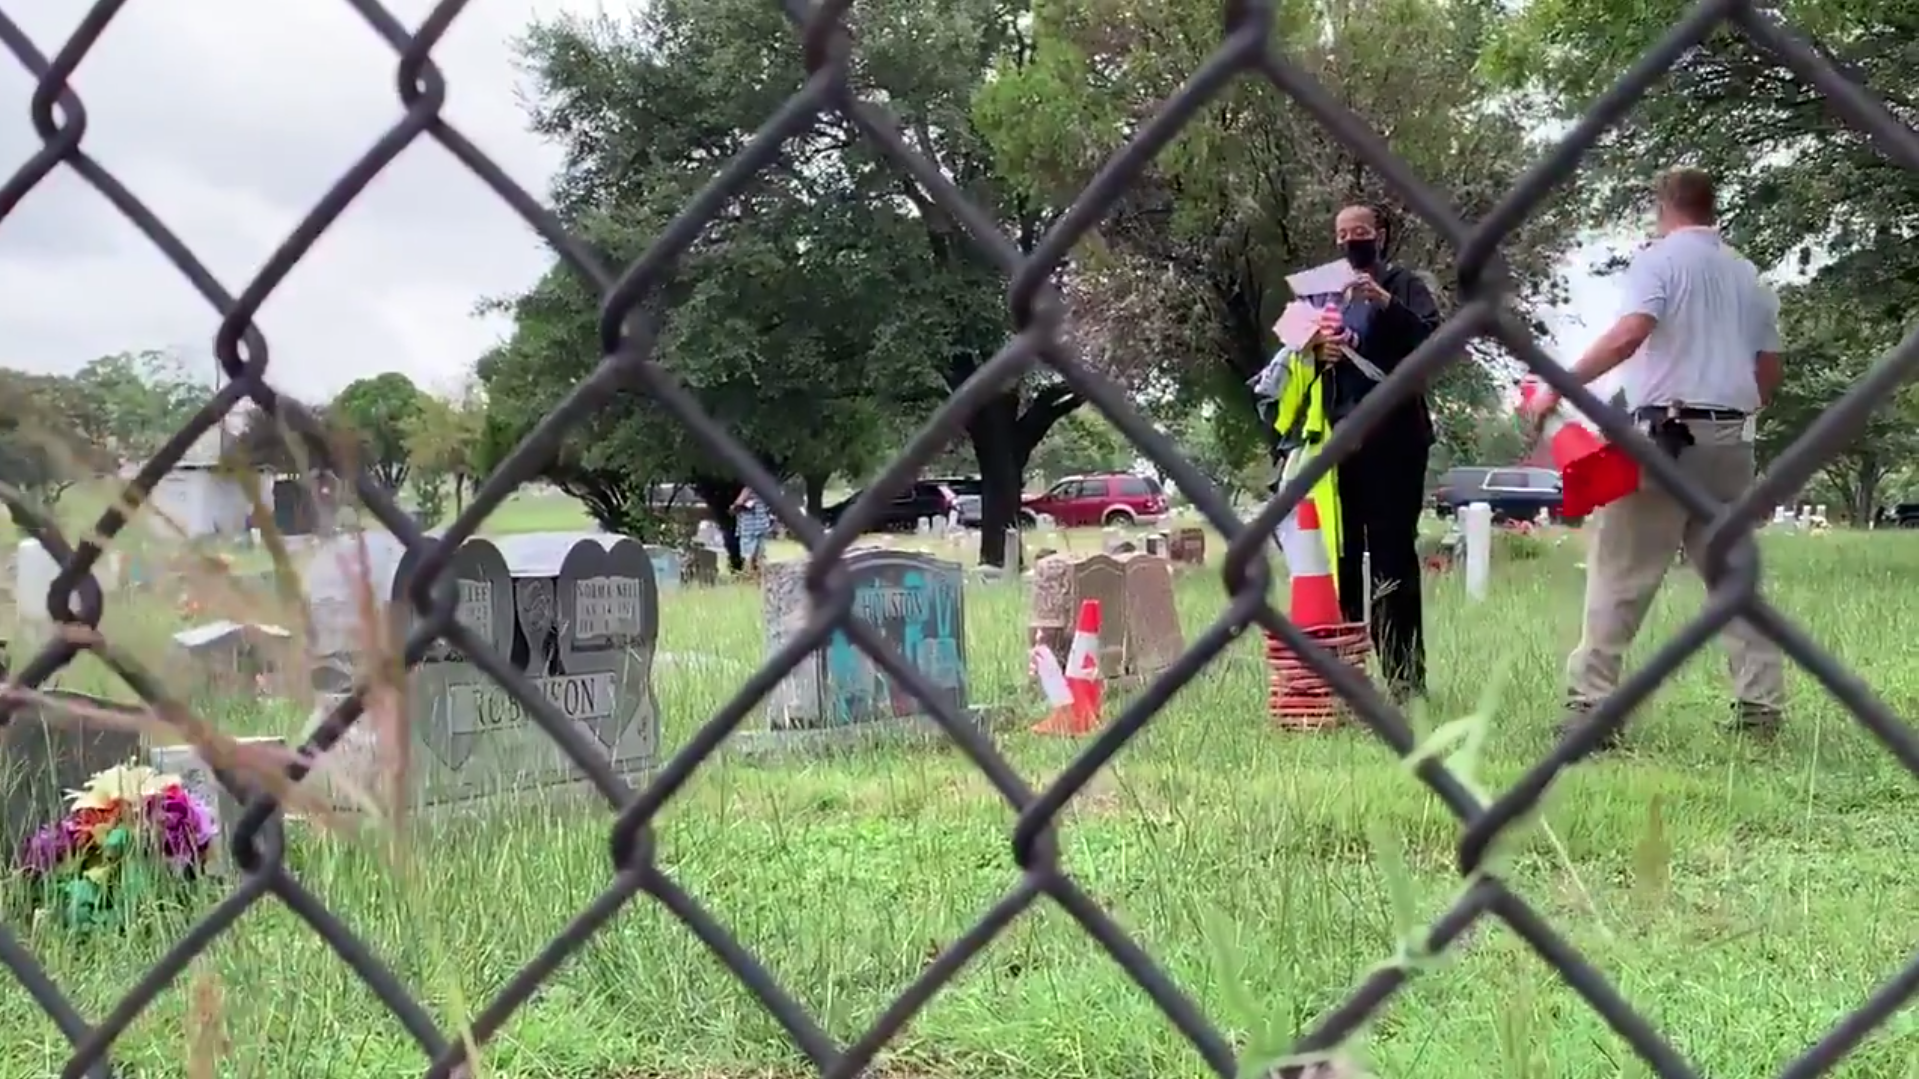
1592	471
1074	693
1300	699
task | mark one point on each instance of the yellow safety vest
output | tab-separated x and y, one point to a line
1301	420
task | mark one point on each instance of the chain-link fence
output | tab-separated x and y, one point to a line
1731	568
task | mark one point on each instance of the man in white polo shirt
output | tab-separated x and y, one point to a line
1701	332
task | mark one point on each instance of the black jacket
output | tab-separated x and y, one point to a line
1387	335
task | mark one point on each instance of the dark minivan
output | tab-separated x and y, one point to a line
1515	494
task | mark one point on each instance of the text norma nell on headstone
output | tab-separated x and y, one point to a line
606	607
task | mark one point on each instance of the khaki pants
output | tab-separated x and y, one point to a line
1633	544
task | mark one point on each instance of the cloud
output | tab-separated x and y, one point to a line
231	119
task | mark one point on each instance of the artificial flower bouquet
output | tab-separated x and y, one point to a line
127	835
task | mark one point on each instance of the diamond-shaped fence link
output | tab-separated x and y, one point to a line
628	338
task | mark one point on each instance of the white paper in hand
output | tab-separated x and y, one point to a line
1297	325
1322	280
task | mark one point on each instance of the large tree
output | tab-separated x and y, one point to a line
132	402
846	286
443	441
1186	274
43	446
378	412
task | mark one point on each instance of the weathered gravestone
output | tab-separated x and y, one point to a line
669	567
702	566
1189	547
582	627
1139	625
1154	638
838	694
577	615
234	657
42	756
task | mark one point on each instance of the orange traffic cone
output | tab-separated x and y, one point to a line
1080	715
1592	471
1315	598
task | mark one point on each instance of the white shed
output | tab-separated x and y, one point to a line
197	499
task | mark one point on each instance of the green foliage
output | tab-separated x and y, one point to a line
1514	545
1838	325
378	411
825	311
1186	274
130	403
43	447
1801	192
443	443
1082	442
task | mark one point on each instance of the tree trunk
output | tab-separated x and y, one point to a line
994	431
459	493
719	496
1003	440
1857	477
815	495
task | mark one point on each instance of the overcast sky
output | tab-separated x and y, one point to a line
230	118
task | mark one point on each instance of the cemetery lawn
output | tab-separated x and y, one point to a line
1743	897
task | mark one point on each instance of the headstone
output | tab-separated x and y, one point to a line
1101	577
939	526
668	567
1111	540
340	571
43	755
1476	521
702	567
1154	638
916	601
924	527
1157	545
1140	633
1189	547
1015	551
591	659
234	657
34	571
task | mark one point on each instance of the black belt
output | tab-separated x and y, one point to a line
1688	412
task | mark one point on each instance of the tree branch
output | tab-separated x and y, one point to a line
1048	407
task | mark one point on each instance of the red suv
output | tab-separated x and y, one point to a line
1116	498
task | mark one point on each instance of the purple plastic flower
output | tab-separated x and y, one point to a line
184	827
45	849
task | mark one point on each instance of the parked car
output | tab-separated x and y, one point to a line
966	494
1903	515
924	498
1515	494
1114	498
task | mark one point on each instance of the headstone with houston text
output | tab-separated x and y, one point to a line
838	695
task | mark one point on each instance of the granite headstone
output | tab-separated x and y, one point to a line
43	756
915	601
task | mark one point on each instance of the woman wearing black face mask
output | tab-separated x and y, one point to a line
1385	314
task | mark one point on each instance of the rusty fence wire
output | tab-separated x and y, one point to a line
1731	568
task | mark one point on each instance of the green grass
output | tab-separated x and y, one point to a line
1772	897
